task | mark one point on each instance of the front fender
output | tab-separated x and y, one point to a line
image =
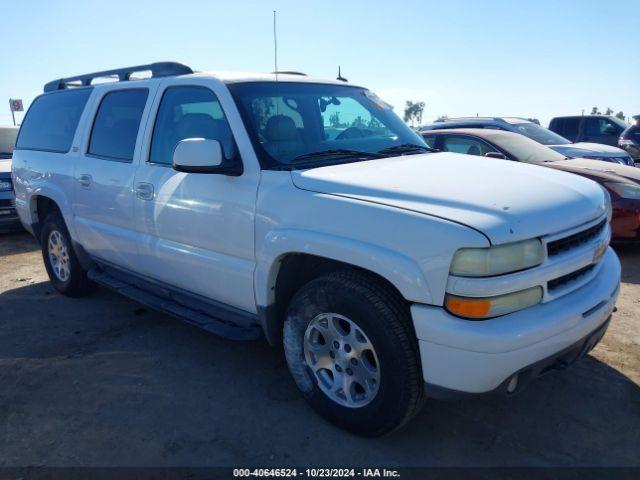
403	272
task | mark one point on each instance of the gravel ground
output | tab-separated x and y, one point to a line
103	381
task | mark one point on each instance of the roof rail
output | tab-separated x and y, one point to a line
289	72
158	69
455	119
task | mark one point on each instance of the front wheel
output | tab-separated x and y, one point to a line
351	349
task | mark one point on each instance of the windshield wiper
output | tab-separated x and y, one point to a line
338	153
407	148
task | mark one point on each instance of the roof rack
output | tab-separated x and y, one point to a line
158	69
289	72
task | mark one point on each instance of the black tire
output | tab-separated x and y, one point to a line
385	319
77	284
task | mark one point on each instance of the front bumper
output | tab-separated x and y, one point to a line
9	219
480	356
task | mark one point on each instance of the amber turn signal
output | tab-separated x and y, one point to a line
468	307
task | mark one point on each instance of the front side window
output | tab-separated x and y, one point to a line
291	124
189	112
430	140
115	128
601	126
466	145
52	119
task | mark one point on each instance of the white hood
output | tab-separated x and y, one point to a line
507	201
578	150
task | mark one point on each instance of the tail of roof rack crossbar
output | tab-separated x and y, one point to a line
158	69
456	119
289	72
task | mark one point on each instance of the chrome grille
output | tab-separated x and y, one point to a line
565	244
565	279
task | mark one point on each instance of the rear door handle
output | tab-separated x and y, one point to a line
85	180
144	191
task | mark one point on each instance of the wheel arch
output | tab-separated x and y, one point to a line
292	258
40	203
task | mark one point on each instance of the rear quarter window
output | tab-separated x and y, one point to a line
51	121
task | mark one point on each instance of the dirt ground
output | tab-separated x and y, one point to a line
103	381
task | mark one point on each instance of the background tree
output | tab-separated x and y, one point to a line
534	120
595	111
621	116
334	120
609	111
413	112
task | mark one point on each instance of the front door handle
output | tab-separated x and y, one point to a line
144	191
85	180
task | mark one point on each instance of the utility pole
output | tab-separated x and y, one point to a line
13	115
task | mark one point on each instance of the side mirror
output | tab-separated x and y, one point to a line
498	155
199	155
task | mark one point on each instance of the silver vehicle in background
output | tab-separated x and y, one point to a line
9	220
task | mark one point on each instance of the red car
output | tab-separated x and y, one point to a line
622	182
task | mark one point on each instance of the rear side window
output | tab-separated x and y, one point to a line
571	127
557	125
51	121
115	128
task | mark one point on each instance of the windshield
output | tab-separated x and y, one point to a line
293	125
524	149
539	134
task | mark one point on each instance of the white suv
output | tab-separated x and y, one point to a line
307	211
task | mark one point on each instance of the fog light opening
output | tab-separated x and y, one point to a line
513	384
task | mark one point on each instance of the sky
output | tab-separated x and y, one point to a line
535	59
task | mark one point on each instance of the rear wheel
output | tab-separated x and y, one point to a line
351	349
62	265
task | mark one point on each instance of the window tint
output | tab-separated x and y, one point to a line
465	145
188	112
116	125
429	140
52	120
601	126
571	127
557	125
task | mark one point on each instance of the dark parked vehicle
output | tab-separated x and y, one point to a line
8	216
622	182
630	140
604	129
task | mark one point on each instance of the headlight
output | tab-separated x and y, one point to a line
488	307
487	262
5	185
625	190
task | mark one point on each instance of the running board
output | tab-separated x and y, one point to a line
223	328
